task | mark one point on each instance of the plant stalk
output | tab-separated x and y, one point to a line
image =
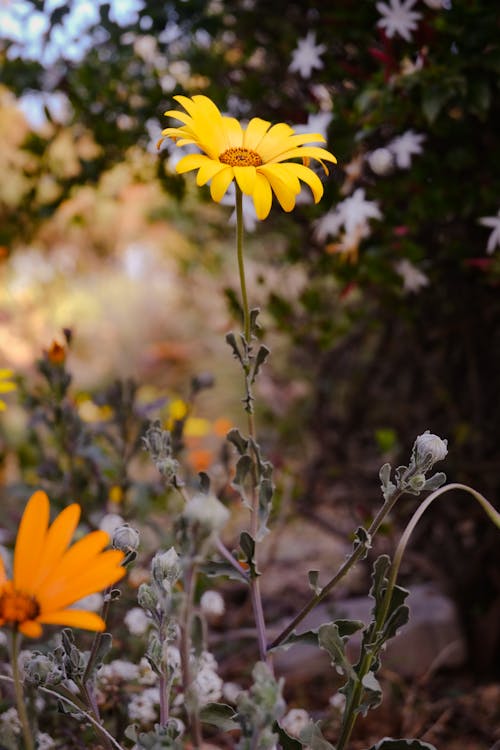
18	689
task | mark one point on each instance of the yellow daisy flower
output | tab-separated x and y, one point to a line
49	576
257	157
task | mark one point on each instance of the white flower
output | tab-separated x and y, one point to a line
405	146
413	279
249	216
380	161
207	511
137	621
306	56
338	701
207	683
146	675
317	123
356	210
44	741
398	18
294	721
10	718
438	4
118	670
212	603
328	225
494	238
143	707
230	691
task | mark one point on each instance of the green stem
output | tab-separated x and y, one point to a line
18	689
351	714
355	556
254	517
241	265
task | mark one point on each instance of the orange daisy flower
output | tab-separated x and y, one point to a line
49	575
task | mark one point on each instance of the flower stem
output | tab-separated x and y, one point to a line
192	713
18	689
254	517
241	265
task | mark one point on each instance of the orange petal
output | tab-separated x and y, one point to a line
74	618
30	628
57	540
30	540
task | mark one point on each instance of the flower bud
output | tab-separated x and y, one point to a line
166	567
428	449
380	161
126	538
207	511
146	597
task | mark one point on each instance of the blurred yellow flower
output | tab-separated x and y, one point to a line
196	427
6	384
49	576
256	158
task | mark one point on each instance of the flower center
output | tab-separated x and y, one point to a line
240	157
16	607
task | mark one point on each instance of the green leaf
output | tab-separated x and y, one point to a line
266	491
219	715
372	695
390	744
215	568
330	640
231	340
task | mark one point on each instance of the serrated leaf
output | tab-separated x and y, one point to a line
387	743
235	437
372	696
330	640
242	469
247	545
219	715
254	314
385	474
266	491
312	736
231	340
260	358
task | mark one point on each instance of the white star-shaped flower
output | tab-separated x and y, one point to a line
413	279
398	18
306	56
352	215
494	238
356	210
317	123
405	146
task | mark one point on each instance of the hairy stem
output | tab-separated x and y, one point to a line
18	689
193	716
254	514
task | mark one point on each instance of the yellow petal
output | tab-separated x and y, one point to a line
284	191
220	183
191	161
245	177
207	170
30	540
254	133
312	152
6	372
275	141
74	618
308	176
262	196
6	387
233	132
57	541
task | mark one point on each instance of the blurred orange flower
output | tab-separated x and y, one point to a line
49	576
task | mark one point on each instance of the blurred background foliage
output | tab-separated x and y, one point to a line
99	233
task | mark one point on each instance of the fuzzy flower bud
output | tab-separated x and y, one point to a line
159	445
428	450
166	567
207	511
126	538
